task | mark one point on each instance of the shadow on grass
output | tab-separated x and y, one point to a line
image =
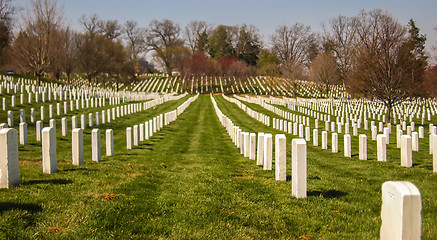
7	206
49	181
81	169
314	178
288	178
327	194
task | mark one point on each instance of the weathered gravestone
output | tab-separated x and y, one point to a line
401	211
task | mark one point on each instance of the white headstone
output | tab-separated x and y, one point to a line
347	145
363	147
23	133
42	113
49	160
260	150
136	136
9	173
77	146
280	157
109	143
22	116
382	148
324	140
415	141
90	120
252	147
406	151
82	122
128	138
141	129
38	130
315	137
334	142
268	151
10	119
64	127
95	143
146	130
299	168
401	211
421	132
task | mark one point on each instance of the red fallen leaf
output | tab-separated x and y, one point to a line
309	236
108	196
53	229
336	211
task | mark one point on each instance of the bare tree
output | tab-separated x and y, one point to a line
91	23
193	31
290	44
164	37
136	43
70	53
342	35
382	66
36	48
324	71
110	28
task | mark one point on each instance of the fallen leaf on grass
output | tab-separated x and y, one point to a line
336	211
53	230
108	196
309	236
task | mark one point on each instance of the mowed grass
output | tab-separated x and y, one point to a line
189	181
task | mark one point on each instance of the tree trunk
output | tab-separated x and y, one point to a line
68	78
389	106
38	79
89	80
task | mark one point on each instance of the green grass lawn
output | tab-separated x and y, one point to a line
189	181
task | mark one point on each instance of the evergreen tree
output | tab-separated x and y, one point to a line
220	44
248	46
202	43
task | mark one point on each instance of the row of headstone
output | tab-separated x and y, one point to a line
285	126
261	151
67	90
9	151
254	114
401	208
144	131
47	135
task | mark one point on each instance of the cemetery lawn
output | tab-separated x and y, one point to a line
189	181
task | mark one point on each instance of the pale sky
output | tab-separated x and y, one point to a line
265	15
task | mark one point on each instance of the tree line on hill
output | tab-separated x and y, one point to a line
371	54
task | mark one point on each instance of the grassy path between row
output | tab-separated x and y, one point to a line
190	182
